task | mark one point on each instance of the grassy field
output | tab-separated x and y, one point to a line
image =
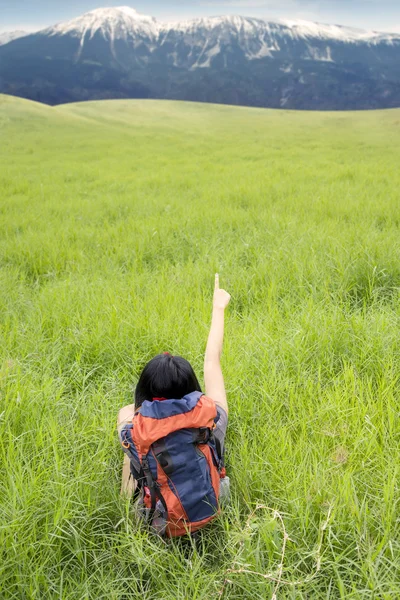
114	218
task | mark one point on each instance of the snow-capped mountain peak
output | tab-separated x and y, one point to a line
116	22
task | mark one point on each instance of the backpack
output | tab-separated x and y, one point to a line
177	463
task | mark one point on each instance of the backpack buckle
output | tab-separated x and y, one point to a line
204	435
162	456
165	461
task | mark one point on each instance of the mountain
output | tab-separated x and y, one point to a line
119	53
8	36
222	39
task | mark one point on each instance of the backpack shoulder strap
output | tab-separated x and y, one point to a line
138	478
153	488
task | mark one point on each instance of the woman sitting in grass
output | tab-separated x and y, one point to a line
173	437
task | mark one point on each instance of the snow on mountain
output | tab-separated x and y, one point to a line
121	22
122	37
118	31
191	26
225	42
257	39
9	36
296	29
308	29
202	40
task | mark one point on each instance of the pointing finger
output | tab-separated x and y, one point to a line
216	281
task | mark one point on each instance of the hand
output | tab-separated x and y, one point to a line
221	297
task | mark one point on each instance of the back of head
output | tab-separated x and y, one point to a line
166	376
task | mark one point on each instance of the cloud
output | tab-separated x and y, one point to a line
282	6
358	6
253	3
279	4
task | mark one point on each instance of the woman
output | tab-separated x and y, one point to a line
173	436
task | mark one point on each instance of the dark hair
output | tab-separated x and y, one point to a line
166	376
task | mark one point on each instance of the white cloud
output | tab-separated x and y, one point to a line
269	4
282	4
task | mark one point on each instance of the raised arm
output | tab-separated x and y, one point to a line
213	378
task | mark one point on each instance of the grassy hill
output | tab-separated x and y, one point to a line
115	215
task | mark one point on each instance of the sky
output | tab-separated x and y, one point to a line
383	15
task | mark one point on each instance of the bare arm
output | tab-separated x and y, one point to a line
125	415
213	378
128	484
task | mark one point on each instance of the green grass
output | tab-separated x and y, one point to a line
114	218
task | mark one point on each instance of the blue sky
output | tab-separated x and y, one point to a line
370	14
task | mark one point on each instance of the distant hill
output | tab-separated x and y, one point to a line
119	53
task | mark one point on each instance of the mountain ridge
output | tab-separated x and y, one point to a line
9	36
302	27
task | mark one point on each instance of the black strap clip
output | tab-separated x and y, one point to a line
203	435
163	456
